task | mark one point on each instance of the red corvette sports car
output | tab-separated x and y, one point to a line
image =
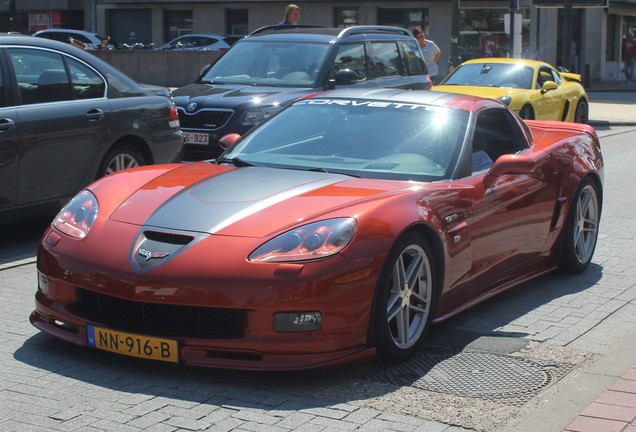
337	230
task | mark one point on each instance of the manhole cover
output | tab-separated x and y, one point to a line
495	377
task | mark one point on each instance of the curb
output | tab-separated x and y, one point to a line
574	396
608	123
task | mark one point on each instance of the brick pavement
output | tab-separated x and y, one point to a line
48	386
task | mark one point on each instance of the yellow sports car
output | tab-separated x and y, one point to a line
533	89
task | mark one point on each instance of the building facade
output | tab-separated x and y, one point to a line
587	39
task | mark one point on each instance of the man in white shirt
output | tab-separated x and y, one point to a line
430	52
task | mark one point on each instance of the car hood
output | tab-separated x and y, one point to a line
230	96
488	92
247	202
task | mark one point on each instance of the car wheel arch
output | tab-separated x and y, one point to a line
582	102
527	108
430	235
569	246
571	191
127	143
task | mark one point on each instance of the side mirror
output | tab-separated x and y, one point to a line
509	164
346	76
229	140
204	69
549	85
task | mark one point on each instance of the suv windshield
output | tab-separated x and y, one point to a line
269	64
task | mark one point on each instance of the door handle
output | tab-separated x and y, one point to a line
94	114
6	124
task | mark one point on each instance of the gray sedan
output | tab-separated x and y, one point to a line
68	118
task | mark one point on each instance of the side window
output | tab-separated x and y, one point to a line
41	75
386	59
494	136
351	56
547	74
412	59
87	84
555	76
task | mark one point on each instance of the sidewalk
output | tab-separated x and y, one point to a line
611	383
612	103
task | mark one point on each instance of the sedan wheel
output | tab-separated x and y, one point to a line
581	231
120	158
406	298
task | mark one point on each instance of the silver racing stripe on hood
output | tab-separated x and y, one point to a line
220	201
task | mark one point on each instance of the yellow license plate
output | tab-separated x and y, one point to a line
134	345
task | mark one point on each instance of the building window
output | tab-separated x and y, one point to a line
346	16
236	21
407	18
177	23
483	32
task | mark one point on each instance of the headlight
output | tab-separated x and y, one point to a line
77	217
505	100
254	116
308	242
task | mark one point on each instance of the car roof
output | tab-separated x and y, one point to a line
87	56
213	35
58	30
27	40
309	33
439	99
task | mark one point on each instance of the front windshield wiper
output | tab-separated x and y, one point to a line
325	170
237	162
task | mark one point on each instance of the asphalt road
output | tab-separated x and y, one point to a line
497	367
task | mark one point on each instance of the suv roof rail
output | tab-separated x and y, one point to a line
373	29
283	27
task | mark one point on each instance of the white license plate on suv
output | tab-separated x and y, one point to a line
196	138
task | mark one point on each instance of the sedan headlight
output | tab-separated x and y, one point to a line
308	242
254	116
77	217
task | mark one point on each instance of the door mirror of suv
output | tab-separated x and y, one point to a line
346	76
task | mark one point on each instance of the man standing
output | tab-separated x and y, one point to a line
629	56
430	53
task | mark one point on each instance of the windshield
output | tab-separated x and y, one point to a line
492	75
269	64
371	139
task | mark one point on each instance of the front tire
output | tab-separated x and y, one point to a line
581	230
527	113
405	299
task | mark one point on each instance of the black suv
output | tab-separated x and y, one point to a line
275	65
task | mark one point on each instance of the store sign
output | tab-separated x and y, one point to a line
573	3
56	18
38	21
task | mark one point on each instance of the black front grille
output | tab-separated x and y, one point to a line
204	119
172	320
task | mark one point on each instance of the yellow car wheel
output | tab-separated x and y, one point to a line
527	113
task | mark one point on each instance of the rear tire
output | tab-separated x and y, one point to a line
581	229
581	115
119	158
405	298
